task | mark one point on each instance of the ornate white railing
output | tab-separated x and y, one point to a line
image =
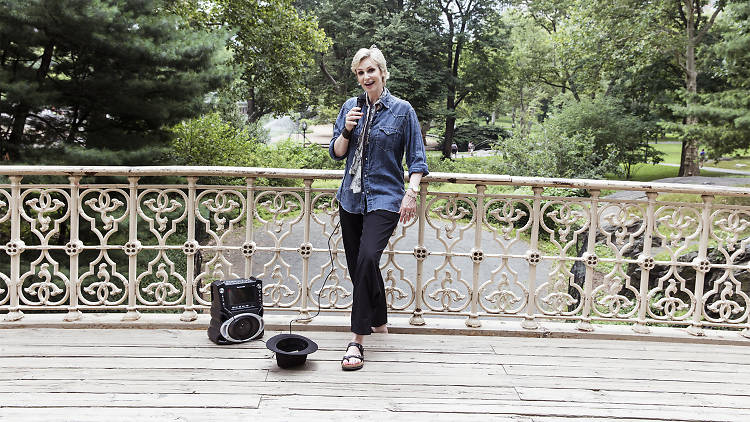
134	245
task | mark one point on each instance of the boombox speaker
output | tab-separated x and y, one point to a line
236	311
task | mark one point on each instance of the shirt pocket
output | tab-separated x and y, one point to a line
387	138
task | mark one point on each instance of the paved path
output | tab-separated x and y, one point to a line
264	261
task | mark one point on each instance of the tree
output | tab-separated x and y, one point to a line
408	33
616	136
273	44
100	73
464	19
676	29
725	115
487	65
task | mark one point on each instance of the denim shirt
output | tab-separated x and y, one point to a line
395	132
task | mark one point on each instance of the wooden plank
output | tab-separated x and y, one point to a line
174	375
354	387
640	355
63	351
632	397
206	400
563	419
397	361
685	374
510	407
93	414
699	387
144	363
168	337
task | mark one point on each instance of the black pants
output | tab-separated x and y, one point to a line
365	237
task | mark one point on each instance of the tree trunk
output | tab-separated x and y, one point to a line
22	110
252	113
424	126
20	114
689	162
450	126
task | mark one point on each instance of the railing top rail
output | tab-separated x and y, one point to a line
460	178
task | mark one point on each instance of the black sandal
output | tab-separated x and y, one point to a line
361	358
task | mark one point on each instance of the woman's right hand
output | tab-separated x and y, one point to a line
352	116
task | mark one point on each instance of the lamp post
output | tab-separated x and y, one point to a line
304	138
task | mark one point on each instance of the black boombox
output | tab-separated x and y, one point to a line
236	311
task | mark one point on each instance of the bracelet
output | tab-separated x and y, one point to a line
346	133
411	193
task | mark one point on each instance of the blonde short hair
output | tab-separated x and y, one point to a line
376	55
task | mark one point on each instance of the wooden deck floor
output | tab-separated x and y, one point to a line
179	375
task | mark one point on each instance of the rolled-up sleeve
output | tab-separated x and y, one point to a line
416	159
338	127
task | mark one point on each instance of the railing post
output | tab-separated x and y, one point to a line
190	249
73	249
477	256
590	259
305	250
420	254
702	266
132	248
248	248
646	262
533	257
14	248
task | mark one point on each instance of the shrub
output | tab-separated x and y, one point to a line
546	152
211	141
616	134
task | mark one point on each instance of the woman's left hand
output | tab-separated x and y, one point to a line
408	207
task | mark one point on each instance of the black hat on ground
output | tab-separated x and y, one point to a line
291	349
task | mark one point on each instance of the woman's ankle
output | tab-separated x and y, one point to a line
380	329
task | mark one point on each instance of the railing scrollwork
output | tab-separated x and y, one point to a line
509	248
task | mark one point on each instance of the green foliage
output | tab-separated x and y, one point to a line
211	141
408	33
548	152
725	115
580	139
618	137
106	74
477	165
272	43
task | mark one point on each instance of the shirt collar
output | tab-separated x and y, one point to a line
385	99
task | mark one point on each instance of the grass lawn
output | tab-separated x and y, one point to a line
671	150
649	172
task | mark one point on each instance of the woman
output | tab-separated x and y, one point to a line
373	132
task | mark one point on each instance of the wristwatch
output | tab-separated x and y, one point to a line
414	190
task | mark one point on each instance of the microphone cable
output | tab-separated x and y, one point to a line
320	292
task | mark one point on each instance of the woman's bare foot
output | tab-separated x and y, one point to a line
382	329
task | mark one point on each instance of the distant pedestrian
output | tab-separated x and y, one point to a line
702	157
454	150
471	148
